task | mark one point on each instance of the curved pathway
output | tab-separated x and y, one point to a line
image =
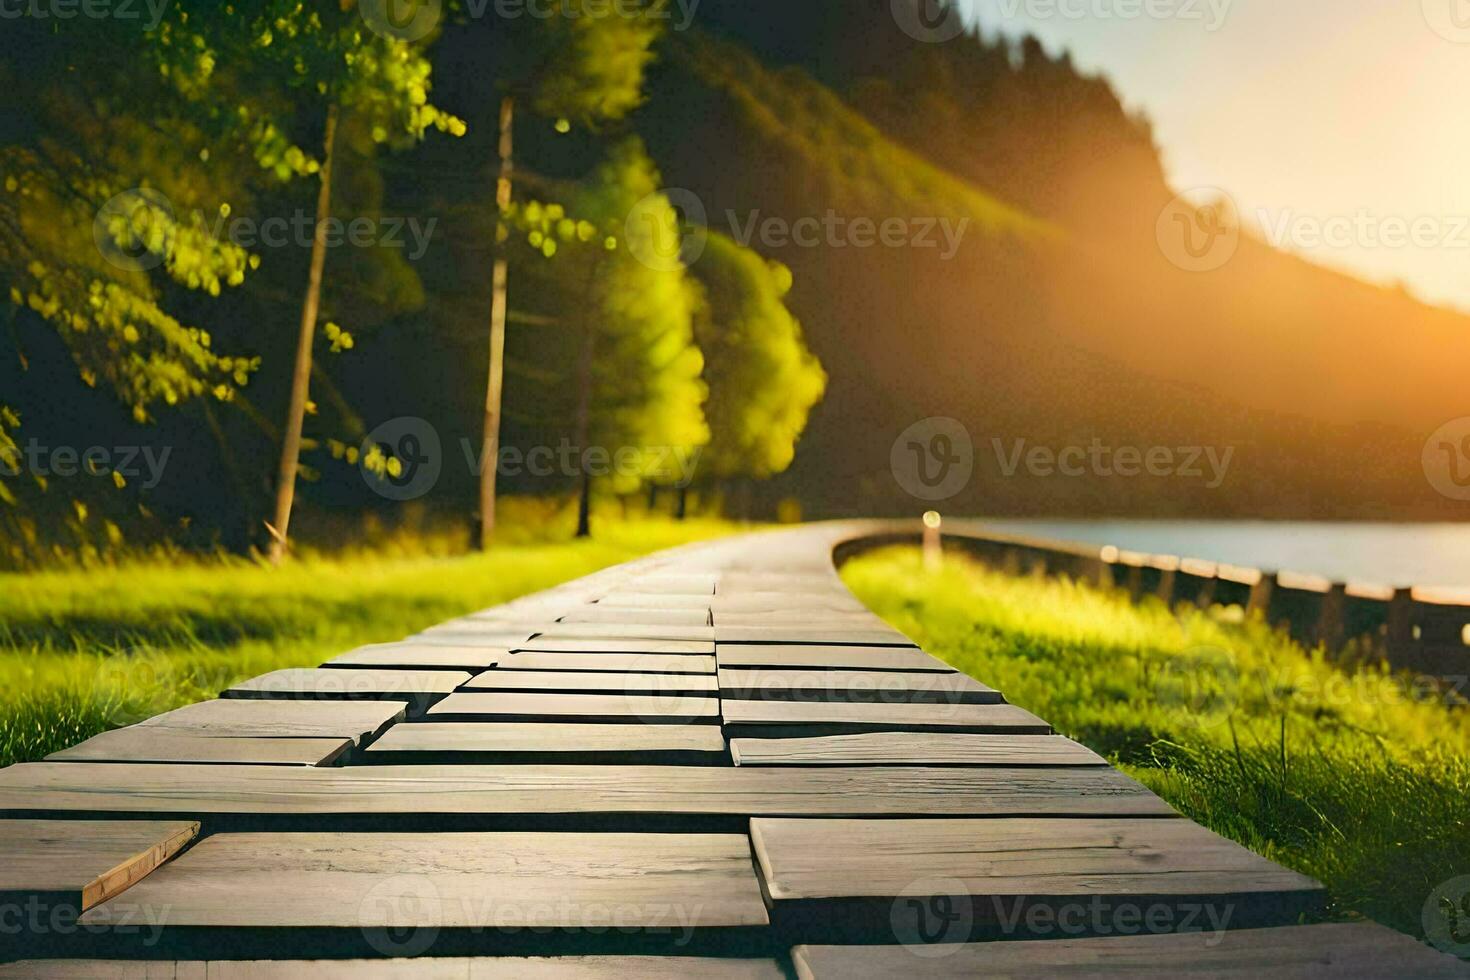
709	762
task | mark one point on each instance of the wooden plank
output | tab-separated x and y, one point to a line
351	684
1340	951
80	863
469	635
1065	856
675	583
421	656
624	631
795	719
657	882
584	744
421	792
593	682
625	599
662	709
280	719
631	663
887	687
642	616
144	744
854	636
765	601
811	619
576	644
421	968
914	749
791	657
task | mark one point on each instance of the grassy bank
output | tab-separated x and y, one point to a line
1358	779
85	651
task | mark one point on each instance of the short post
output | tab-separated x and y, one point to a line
1332	618
933	546
1261	594
1400	640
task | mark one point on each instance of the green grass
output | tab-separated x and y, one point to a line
83	651
1361	780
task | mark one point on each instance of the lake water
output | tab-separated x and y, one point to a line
1385	554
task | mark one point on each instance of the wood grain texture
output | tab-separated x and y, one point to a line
820	859
470	880
144	744
435	968
588	682
625	631
825	684
534	739
872	636
811	718
1345	951
914	749
427	790
641	616
84	862
903	659
676	583
581	644
348	683
280	719
421	656
629	663
673	708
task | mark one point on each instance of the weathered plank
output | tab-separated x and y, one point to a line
463	632
421	656
583	744
998	870
888	687
422	792
631	663
418	687
625	631
658	882
79	863
625	599
914	749
590	682
578	644
676	583
144	744
1337	951
795	719
280	719
663	709
422	968
646	616
908	659
822	636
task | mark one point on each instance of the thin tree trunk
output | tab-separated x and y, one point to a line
499	300
585	360
301	377
681	509
652	497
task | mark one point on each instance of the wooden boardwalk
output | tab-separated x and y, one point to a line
709	762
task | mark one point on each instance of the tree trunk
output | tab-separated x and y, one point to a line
499	299
301	377
652	497
681	509
585	359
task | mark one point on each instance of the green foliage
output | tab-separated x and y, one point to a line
763	381
1358	779
601	56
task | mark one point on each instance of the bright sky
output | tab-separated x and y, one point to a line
1340	127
